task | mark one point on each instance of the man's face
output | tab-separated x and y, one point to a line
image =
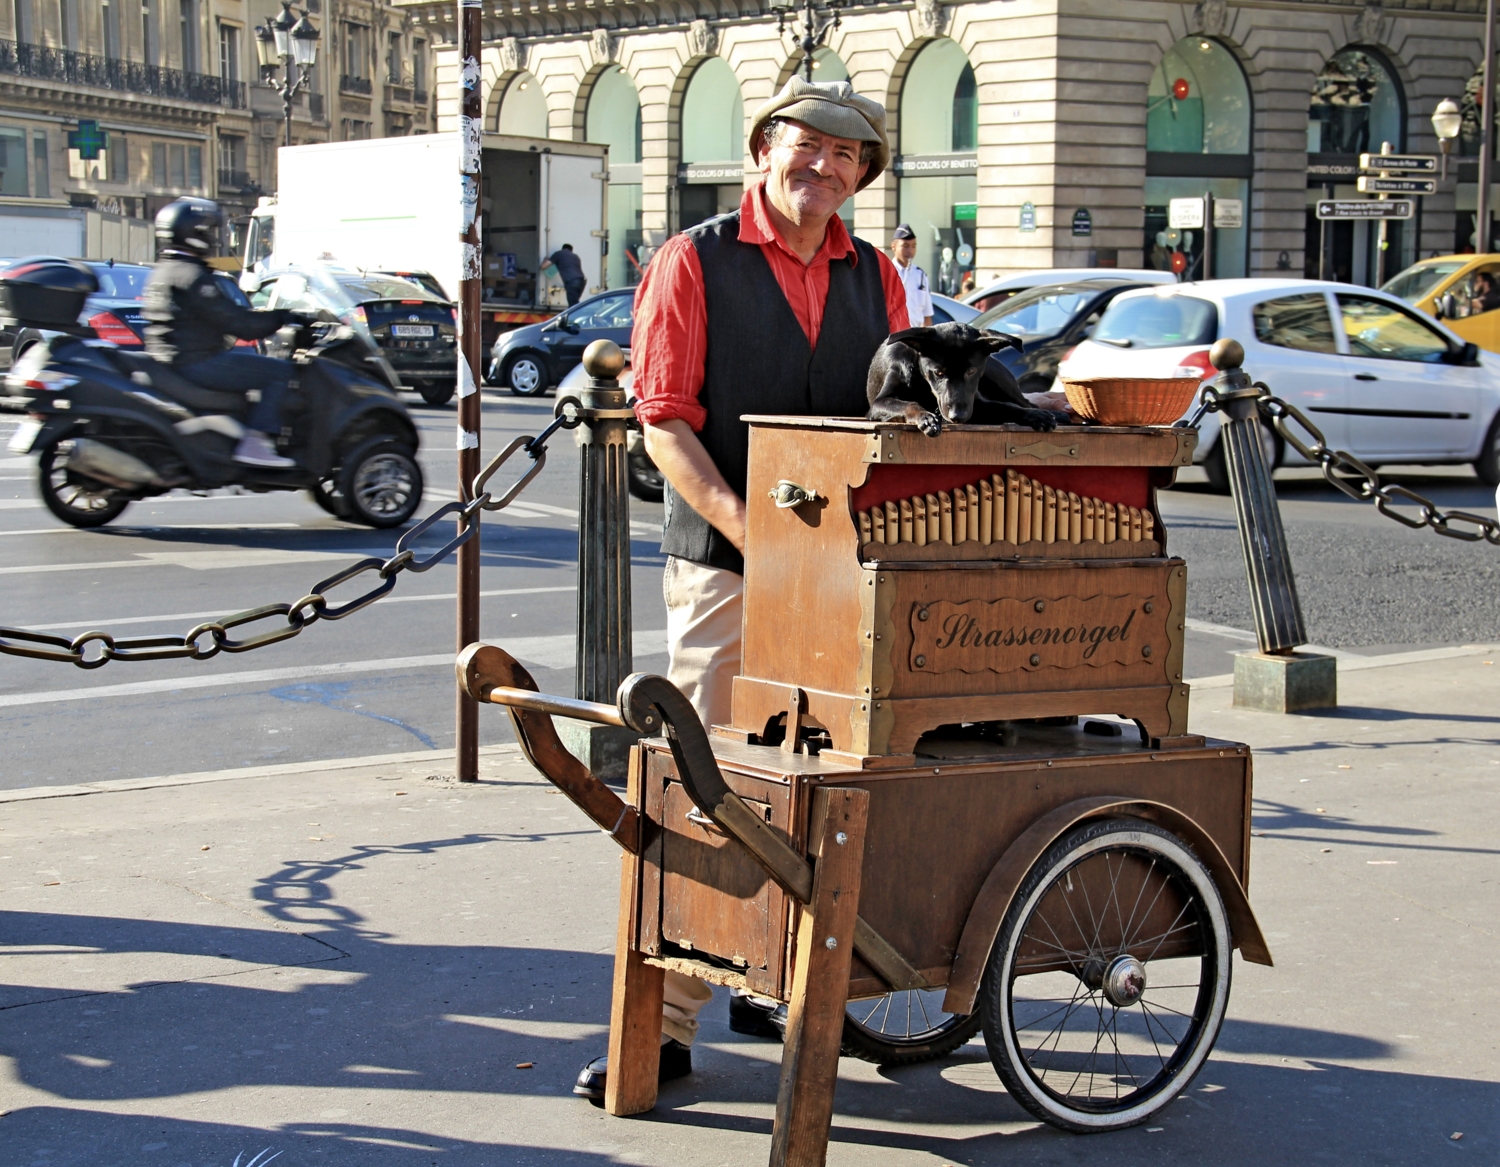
904	249
809	174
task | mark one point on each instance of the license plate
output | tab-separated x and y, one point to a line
26	432
411	330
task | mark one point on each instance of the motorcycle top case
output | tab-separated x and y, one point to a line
43	291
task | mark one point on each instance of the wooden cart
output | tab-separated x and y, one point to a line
957	791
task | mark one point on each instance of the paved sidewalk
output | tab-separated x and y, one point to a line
346	965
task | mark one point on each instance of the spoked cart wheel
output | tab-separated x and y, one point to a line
904	1027
1108	982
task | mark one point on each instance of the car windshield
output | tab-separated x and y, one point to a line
119	282
1158	322
1415	282
374	288
1040	311
421	279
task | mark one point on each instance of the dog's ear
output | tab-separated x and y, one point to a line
995	341
911	336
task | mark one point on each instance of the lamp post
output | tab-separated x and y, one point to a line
1446	122
1486	133
285	42
814	28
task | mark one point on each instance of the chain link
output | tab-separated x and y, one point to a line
1348	474
316	604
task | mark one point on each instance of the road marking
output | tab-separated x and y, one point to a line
433	758
116	621
549	652
192	560
125	529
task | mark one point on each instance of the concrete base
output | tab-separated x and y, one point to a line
1286	683
604	749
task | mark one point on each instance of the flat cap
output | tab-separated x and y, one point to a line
831	107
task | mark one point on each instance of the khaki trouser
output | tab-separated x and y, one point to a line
704	606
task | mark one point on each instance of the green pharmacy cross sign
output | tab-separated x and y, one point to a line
88	139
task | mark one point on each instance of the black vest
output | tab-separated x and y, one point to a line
758	361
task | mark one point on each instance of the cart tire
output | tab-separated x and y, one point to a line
904	1027
74	498
1089	1025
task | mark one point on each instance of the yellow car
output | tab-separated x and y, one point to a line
1446	288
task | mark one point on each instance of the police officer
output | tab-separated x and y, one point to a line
913	278
192	325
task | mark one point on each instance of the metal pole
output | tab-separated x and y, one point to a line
286	102
1486	134
1208	236
471	122
1279	626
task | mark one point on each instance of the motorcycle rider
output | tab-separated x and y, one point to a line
192	323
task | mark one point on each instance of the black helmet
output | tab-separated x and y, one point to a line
189	225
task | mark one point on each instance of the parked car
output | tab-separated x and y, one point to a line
947	310
1001	290
646	482
114	312
532	359
1049	321
415	330
1379	379
1444	288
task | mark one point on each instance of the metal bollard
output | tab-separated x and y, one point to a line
604	654
1276	678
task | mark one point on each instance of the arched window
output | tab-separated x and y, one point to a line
938	166
711	177
614	118
1198	133
1356	105
523	108
827	66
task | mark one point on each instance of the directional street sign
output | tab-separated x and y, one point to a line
1404	163
1365	208
1369	184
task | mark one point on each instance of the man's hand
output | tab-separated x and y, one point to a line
683	461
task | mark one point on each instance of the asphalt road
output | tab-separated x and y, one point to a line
381	680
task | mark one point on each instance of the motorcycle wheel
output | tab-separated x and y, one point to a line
327	495
75	499
646	482
381	483
436	392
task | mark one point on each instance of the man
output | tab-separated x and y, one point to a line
913	278
771	309
570	271
192	324
1486	296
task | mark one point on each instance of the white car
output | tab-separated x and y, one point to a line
1381	380
1002	290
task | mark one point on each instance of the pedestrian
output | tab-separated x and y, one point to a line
913	278
773	308
570	271
968	284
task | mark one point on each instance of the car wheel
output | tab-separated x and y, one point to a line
646	482
525	374
1487	465
381	483
74	498
1218	472
436	392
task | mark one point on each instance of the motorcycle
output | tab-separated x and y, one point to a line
110	426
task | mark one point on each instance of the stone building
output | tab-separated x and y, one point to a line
1027	133
173	85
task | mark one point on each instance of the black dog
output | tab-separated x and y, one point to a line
946	369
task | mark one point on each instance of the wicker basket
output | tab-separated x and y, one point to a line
1131	400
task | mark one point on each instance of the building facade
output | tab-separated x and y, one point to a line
174	87
1027	133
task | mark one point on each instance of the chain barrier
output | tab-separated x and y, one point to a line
1358	481
315	606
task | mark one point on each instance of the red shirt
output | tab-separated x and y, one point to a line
670	337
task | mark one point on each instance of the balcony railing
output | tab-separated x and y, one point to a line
233	179
355	84
48	64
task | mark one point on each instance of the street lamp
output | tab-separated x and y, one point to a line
815	28
1446	122
286	42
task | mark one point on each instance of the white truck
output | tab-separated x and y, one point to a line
393	204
